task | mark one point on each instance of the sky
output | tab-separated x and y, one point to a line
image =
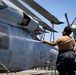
58	8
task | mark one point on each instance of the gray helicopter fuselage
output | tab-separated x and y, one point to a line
20	50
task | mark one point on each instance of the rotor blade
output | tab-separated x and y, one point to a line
18	4
41	30
67	19
42	11
73	21
44	25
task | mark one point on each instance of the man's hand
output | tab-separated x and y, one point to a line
44	41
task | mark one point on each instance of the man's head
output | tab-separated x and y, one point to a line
67	30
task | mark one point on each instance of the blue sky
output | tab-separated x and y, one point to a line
57	8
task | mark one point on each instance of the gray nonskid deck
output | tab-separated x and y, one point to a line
33	72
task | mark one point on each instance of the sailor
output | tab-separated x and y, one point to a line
66	57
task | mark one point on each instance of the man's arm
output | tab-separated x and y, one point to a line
50	43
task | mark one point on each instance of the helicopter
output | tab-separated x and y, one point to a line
73	26
20	48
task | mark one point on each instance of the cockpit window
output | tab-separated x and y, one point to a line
4	37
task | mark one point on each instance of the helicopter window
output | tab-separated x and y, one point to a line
4	38
26	20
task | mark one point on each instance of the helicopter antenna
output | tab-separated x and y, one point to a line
67	19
